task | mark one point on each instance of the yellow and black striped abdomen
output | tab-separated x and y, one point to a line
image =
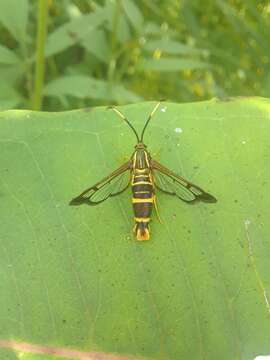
143	197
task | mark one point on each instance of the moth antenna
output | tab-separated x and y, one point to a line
149	118
125	119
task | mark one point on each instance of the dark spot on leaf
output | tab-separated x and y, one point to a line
88	109
73	35
224	99
232	98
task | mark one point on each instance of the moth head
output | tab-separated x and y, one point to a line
140	145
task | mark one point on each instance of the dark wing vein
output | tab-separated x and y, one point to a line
112	185
168	182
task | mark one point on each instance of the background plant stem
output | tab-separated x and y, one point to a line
112	62
40	59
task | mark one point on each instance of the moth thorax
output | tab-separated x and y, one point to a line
141	159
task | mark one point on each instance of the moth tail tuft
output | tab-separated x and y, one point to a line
141	230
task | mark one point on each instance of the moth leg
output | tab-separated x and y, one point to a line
156	208
124	158
156	154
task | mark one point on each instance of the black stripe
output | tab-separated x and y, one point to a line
141	178
142	187
142	210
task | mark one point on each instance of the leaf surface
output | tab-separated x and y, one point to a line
75	278
14	17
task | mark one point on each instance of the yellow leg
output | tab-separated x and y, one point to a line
123	158
156	155
156	208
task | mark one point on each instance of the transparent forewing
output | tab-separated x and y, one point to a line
172	184
112	185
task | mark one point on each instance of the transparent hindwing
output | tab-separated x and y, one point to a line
170	183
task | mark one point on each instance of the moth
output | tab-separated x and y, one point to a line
146	176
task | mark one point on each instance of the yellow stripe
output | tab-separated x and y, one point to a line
133	180
142	183
140	170
146	158
142	219
141	192
147	200
134	159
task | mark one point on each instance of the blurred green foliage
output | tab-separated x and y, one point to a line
121	51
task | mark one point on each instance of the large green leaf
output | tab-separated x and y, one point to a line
73	32
7	56
75	278
15	18
81	86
